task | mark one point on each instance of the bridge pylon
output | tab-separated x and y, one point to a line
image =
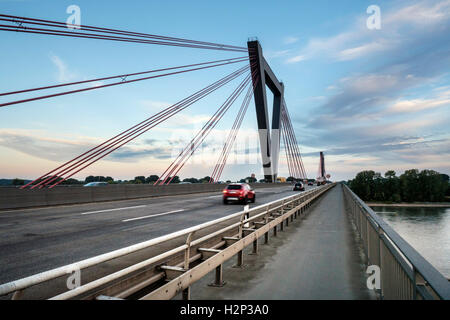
269	140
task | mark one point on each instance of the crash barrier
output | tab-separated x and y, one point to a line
14	197
404	273
174	262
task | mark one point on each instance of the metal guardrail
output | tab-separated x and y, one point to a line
173	270
405	274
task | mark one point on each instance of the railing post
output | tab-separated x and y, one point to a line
255	246
240	254
17	295
218	278
186	294
414	273
241	224
266	220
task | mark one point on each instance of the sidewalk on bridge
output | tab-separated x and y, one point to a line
317	258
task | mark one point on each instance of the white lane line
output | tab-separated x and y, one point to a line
153	215
215	196
116	209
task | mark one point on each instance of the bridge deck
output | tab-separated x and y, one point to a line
317	258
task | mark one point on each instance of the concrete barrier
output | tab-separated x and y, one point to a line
14	198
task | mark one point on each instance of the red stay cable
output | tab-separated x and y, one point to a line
286	149
113	84
180	161
176	107
114	77
146	122
26	20
296	145
204	137
232	136
130	139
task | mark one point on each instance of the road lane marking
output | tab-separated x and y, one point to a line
153	215
215	196
115	209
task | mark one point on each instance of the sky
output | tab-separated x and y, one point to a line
369	98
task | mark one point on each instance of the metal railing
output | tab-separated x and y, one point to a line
405	274
178	260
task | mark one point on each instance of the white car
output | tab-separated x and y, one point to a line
96	184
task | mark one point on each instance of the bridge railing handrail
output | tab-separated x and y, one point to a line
429	273
21	284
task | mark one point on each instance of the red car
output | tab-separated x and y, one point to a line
241	192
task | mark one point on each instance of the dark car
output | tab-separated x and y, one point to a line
241	192
310	183
299	187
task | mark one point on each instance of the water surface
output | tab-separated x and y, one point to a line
426	229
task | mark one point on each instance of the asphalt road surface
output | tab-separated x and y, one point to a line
36	240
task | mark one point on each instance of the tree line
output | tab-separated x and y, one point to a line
411	186
151	179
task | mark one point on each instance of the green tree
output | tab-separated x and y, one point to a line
363	185
18	182
109	179
71	181
378	192
151	179
433	186
205	179
392	187
191	180
176	179
139	180
410	186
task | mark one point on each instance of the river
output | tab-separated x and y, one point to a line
426	229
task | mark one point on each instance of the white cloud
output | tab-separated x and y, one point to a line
296	59
420	14
277	54
64	74
182	119
290	40
415	105
41	144
97	83
154	105
363	50
400	26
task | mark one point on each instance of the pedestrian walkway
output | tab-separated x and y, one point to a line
316	258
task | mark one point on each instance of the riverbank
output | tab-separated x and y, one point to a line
413	204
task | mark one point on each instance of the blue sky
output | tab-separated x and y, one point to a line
370	99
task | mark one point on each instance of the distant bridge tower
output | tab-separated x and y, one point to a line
269	139
322	174
322	165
